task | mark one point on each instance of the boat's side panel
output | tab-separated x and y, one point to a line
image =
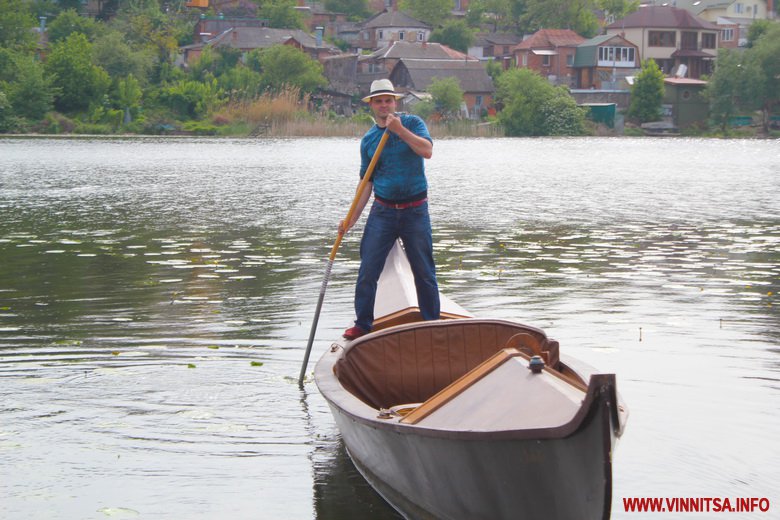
439	477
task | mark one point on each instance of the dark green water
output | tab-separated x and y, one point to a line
156	297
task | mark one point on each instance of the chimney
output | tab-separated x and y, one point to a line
318	31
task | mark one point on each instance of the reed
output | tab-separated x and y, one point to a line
286	114
264	111
317	127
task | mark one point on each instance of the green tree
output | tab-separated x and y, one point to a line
447	96
241	84
756	30
78	80
69	22
192	99
725	87
647	93
355	10
281	14
499	14
577	15
433	12
16	23
424	109
494	69
455	34
561	115
6	113
533	107
618	8
285	66
763	69
120	60
145	25
31	92
129	95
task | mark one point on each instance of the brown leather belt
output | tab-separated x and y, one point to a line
403	205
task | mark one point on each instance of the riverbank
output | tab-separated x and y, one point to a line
241	124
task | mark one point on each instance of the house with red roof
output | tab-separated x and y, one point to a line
550	52
672	37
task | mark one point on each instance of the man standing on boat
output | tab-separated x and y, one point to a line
400	207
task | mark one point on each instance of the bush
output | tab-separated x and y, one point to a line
200	128
84	127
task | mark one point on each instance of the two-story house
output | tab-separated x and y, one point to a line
391	26
550	52
733	17
672	37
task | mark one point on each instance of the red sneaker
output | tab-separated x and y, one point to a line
354	333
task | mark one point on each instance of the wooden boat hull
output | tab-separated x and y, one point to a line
433	474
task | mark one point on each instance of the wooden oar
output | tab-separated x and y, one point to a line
361	188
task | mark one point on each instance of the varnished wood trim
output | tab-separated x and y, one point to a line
459	385
408	315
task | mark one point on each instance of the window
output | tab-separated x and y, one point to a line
727	35
662	39
420	36
708	41
478	101
380	34
569	60
688	41
739	7
505	50
546	60
616	55
525	60
401	35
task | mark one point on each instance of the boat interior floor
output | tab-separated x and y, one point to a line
411	363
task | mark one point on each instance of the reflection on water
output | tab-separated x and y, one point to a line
156	297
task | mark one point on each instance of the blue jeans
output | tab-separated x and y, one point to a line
384	226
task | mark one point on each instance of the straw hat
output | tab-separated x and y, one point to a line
382	87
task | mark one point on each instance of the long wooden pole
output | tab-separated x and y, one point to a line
361	188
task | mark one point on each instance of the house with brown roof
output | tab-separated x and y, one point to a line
550	52
672	37
380	63
495	46
247	39
209	27
733	18
604	62
391	25
416	75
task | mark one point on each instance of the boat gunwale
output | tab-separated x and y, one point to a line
601	389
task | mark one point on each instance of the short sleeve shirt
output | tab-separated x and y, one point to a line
400	172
